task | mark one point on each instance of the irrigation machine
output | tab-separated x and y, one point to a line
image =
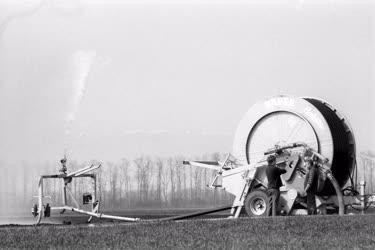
293	129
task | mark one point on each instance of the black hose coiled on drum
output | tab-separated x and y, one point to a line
343	147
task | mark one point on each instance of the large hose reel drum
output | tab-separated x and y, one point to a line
285	119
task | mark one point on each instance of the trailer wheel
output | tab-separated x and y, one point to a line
256	203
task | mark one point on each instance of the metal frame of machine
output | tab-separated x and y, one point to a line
243	180
240	180
40	209
332	147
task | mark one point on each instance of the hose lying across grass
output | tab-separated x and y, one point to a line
340	197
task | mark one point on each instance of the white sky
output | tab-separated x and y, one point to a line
173	78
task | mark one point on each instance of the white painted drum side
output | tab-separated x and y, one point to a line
296	107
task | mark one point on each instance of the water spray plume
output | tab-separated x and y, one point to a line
82	62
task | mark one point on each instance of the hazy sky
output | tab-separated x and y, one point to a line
107	79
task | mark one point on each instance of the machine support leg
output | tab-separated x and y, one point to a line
238	202
238	211
94	192
236	207
40	201
64	199
64	195
362	186
72	197
95	205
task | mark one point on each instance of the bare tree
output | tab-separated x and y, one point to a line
178	173
144	171
185	189
113	172
165	181
159	166
215	157
124	180
101	183
197	183
172	176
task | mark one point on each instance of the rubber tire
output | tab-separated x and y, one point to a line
250	199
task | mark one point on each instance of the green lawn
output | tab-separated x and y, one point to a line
322	232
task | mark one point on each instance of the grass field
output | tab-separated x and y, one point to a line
323	232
